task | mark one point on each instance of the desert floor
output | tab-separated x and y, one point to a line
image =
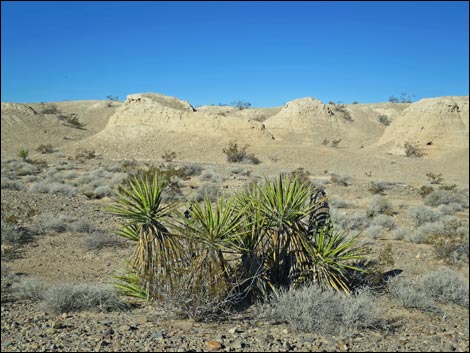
55	229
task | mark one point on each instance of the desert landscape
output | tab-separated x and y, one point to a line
395	174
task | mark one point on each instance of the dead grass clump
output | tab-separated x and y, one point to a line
338	202
60	223
342	180
45	149
240	171
98	240
410	295
85	154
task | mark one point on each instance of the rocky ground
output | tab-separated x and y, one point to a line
56	257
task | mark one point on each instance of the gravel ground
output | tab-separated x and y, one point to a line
56	258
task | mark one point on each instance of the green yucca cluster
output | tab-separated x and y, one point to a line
245	247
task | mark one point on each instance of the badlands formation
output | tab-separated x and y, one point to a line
297	135
55	229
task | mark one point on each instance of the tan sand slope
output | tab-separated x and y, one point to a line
435	124
356	124
291	136
25	126
151	123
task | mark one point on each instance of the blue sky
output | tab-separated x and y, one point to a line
266	53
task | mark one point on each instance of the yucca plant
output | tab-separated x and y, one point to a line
158	252
279	239
331	258
274	216
130	284
214	231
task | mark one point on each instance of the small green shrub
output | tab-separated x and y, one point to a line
335	142
85	154
236	154
71	120
49	108
169	156
425	190
435	178
23	154
384	120
412	149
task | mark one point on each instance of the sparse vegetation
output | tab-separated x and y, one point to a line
23	154
85	154
435	178
412	149
45	148
49	108
345	113
111	99
71	120
404	98
379	205
236	154
64	298
384	120
335	142
256	225
444	286
169	156
311	309
241	104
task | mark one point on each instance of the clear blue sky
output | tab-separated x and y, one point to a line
265	53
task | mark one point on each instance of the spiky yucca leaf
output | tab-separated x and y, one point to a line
218	226
331	254
140	202
130	284
158	252
274	214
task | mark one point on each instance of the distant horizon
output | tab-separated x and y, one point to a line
206	53
123	99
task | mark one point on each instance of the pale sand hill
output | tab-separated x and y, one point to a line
24	126
284	138
440	124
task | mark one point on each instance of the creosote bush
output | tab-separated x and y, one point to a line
236	154
412	149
